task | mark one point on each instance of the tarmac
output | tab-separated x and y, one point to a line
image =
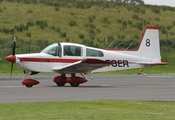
103	87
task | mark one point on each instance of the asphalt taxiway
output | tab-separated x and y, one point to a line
116	87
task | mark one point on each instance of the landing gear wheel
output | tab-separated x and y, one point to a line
29	82
60	80
74	84
60	84
29	86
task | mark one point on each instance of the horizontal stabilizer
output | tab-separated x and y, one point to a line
153	63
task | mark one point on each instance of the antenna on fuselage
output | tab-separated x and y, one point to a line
111	44
128	47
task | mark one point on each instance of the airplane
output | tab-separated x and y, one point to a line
72	58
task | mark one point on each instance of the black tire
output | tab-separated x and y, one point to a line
60	84
29	86
74	84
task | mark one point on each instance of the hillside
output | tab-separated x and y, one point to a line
37	24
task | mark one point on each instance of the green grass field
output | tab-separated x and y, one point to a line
89	110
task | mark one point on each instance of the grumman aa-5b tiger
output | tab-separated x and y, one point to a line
71	58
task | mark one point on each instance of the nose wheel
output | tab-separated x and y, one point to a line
29	82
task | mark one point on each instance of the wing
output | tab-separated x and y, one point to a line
82	66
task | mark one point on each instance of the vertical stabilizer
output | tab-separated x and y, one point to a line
149	47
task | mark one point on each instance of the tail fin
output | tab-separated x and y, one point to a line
149	47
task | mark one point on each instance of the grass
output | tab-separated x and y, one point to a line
105	23
89	110
20	13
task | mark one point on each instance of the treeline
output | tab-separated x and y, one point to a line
141	2
76	3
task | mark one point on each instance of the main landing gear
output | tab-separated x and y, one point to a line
74	81
28	82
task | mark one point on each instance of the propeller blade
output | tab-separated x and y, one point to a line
14	46
11	70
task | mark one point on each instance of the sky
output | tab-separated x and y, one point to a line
161	2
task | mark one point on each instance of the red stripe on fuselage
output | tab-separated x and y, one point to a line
48	60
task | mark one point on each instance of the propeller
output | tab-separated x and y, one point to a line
13	53
14	46
12	58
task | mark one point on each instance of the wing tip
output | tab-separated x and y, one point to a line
162	63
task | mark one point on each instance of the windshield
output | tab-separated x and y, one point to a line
53	49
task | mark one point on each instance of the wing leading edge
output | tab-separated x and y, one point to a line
82	66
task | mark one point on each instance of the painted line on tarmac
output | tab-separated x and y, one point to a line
11	86
160	76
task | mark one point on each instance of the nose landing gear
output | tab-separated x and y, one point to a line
30	82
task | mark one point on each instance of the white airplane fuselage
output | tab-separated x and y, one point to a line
42	62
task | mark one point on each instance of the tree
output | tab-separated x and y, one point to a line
136	2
